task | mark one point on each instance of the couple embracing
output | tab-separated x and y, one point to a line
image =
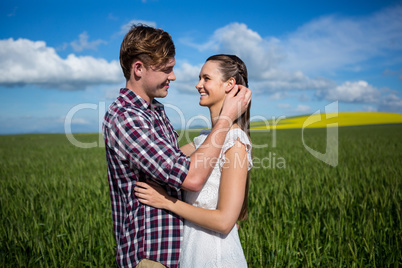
171	206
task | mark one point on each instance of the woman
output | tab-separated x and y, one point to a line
210	235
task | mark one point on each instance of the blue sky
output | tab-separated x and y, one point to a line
59	59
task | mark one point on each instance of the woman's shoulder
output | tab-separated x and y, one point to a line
237	136
236	133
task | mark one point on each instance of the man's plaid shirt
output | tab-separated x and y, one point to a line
142	145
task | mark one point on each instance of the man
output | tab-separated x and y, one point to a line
141	145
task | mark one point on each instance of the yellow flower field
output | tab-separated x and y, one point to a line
340	119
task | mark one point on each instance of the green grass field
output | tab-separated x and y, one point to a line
55	207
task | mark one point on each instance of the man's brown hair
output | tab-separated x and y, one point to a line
154	47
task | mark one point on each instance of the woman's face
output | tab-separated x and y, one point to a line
211	87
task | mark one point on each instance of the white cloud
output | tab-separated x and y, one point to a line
369	108
303	97
280	80
284	106
359	91
199	46
302	108
112	93
363	92
389	72
279	96
333	42
83	43
26	62
262	58
391	103
80	121
186	77
320	47
260	55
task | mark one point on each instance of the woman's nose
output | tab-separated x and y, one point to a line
198	86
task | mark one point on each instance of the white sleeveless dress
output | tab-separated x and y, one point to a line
202	247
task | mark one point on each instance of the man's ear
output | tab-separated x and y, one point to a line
137	69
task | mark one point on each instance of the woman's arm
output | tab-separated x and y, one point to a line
231	195
188	149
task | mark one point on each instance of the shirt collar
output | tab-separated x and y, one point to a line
136	100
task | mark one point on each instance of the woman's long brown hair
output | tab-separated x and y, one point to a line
233	66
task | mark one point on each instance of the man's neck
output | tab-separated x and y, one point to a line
137	89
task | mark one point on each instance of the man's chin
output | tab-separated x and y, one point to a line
162	95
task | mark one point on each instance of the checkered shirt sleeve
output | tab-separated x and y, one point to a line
149	150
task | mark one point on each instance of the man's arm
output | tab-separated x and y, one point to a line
204	158
135	140
188	149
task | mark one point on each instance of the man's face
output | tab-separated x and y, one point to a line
157	79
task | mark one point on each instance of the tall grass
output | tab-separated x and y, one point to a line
55	206
310	214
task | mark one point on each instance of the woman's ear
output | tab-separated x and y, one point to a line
230	83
